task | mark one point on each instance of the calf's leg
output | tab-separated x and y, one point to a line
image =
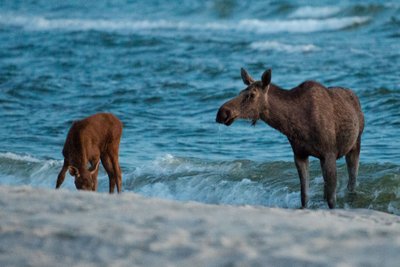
113	152
328	166
117	171
302	169
61	175
107	164
95	182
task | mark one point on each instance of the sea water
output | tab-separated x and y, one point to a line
165	67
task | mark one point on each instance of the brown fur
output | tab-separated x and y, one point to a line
88	141
325	123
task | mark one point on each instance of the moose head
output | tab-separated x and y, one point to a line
250	102
86	177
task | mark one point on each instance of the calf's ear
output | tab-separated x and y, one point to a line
246	77
73	171
266	78
95	167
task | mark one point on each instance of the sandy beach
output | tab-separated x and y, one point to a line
40	227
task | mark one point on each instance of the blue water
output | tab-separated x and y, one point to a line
165	67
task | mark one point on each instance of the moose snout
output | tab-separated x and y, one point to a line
225	116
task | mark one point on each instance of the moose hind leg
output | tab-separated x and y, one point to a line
117	171
328	166
96	181
302	169
107	164
352	161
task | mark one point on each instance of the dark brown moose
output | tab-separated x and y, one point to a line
325	123
88	141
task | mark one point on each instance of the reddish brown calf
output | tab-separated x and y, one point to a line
88	141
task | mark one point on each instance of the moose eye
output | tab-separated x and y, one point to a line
251	96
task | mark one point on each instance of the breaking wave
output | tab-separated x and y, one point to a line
246	25
315	12
237	182
281	47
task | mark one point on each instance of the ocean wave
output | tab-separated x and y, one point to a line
237	182
15	157
16	169
315	12
218	182
273	184
245	25
281	47
301	25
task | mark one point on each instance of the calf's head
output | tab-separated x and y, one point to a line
250	102
85	178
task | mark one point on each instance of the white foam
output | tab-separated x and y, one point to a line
169	164
281	47
246	25
12	156
186	179
159	190
315	12
299	25
42	23
26	169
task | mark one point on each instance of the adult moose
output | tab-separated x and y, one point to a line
88	141
325	123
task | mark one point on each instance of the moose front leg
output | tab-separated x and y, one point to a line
61	175
328	166
302	169
352	161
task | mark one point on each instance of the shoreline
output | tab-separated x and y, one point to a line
45	227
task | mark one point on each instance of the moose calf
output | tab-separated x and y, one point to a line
88	141
325	123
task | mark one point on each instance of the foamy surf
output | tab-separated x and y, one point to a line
16	157
214	182
315	12
19	169
237	182
282	47
301	25
246	25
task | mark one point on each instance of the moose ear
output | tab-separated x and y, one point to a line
246	77
73	171
266	78
94	168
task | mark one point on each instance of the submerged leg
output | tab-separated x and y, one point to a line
302	169
328	166
61	175
352	161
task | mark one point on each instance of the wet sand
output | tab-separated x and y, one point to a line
40	227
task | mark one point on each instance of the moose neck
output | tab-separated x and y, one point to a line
280	111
